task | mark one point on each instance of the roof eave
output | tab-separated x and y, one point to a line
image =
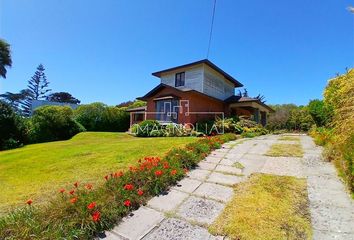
204	61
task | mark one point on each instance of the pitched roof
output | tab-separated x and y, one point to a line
207	62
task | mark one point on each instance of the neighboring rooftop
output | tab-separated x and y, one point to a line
204	61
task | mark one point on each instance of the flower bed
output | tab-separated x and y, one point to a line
85	210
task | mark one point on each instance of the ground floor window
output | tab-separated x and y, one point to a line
167	110
138	117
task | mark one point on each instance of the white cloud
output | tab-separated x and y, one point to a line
350	9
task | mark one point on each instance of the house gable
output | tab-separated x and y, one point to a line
202	76
193	77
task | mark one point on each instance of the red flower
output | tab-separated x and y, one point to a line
88	186
76	184
158	173
127	203
173	172
140	192
165	165
129	187
96	216
62	190
29	202
120	174
72	192
106	177
73	200
91	205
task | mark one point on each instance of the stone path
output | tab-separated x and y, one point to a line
192	205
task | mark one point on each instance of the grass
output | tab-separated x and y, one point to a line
289	138
35	171
285	150
266	207
238	165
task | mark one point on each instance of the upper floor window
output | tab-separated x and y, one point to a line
179	79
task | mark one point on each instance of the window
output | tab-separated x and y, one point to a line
179	79
167	110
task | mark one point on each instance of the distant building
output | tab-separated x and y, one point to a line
40	103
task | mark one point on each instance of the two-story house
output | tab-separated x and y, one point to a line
194	92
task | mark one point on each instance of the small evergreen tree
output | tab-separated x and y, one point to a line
37	89
245	93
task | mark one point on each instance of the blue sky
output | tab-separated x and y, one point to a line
106	50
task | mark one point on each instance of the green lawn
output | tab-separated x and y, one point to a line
36	171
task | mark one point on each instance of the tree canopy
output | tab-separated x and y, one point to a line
63	97
5	57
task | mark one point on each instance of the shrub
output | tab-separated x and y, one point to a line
320	112
229	125
254	132
12	128
176	130
279	119
90	116
144	128
339	97
321	135
84	210
300	120
52	123
100	117
206	127
246	123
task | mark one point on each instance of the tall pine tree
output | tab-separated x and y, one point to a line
37	89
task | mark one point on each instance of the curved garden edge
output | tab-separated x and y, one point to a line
85	211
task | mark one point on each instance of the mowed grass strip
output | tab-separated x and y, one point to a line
267	207
289	138
285	150
37	171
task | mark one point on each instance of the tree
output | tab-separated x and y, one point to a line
37	89
261	98
300	119
245	93
320	113
12	128
279	119
63	97
132	104
5	58
15	99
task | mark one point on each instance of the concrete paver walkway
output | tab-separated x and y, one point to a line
192	205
